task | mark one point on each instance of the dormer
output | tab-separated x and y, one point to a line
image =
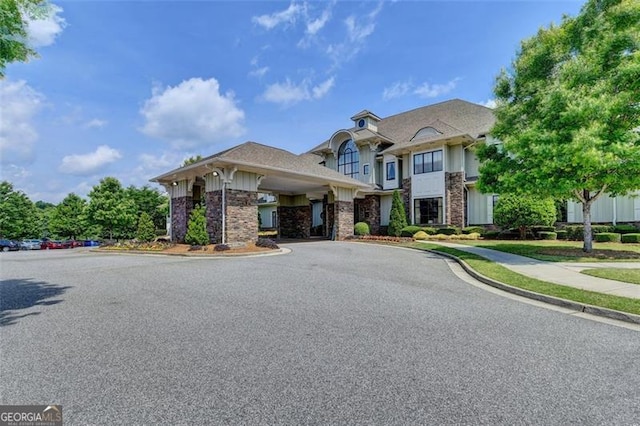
366	120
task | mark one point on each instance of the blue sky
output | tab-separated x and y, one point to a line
131	88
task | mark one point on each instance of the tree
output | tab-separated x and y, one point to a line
14	45
146	230
191	160
18	215
68	218
567	112
150	201
197	228
110	208
523	212
397	217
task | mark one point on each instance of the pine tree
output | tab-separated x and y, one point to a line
398	217
197	229
146	229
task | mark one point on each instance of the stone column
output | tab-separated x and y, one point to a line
343	211
180	210
213	200
295	221
406	197
454	184
241	216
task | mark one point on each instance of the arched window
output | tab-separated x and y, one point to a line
425	132
349	159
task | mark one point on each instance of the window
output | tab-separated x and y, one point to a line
425	132
427	210
391	170
427	162
365	169
349	159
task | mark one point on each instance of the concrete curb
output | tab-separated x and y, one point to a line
569	304
212	255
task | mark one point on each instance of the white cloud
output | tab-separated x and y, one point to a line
259	72
396	90
20	105
96	123
426	90
88	164
289	93
315	25
193	113
43	32
288	16
359	28
490	103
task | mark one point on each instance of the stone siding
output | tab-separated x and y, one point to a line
454	183
368	210
213	201
242	216
295	222
330	219
343	219
180	210
406	198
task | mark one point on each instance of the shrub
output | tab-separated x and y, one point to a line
266	242
576	232
408	231
631	238
492	235
625	229
607	237
361	228
561	234
547	235
537	229
523	212
473	229
429	230
472	236
420	235
397	217
221	247
197	228
146	229
449	230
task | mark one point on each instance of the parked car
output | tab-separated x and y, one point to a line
76	243
30	244
91	243
8	245
52	244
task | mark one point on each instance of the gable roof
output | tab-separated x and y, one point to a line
264	159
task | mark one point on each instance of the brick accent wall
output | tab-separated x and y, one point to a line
180	210
241	224
343	219
330	219
368	210
213	202
406	198
454	184
295	222
242	216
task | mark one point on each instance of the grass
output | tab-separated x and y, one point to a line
625	275
564	251
506	276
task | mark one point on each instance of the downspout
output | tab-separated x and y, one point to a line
615	211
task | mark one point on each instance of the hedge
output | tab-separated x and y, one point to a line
408	231
449	230
473	229
607	237
361	228
547	235
576	232
561	234
625	229
631	238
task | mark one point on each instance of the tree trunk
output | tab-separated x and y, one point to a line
587	247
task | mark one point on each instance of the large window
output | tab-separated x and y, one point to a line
391	170
427	210
349	159
427	162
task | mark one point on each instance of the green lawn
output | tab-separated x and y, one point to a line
506	276
625	275
563	251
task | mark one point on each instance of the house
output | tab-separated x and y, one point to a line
428	154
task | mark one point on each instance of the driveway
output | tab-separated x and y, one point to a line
332	333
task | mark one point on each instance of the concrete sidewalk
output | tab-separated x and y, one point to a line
563	273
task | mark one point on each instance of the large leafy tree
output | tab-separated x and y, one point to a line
68	218
18	215
14	44
110	208
568	111
151	201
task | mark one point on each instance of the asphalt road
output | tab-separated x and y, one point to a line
332	333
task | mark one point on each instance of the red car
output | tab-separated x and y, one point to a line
52	244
